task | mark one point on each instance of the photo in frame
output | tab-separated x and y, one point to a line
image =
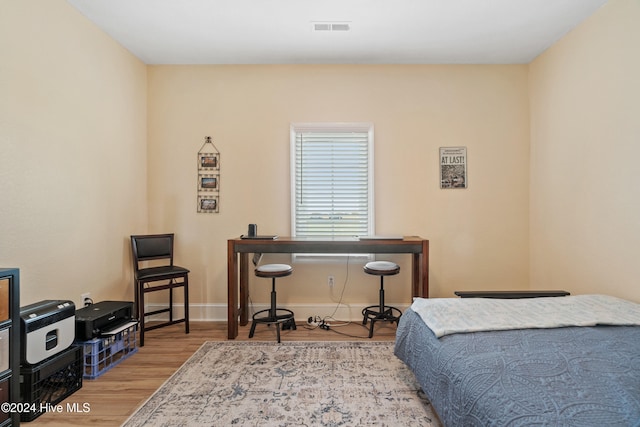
209	182
453	167
208	204
208	161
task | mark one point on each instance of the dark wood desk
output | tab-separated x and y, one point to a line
238	270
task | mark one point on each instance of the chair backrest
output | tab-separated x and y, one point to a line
152	247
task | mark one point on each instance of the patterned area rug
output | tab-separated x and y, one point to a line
289	384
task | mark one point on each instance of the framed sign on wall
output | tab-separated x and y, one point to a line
453	167
208	178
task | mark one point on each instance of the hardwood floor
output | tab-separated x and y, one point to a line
111	398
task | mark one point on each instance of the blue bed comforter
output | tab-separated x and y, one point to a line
572	376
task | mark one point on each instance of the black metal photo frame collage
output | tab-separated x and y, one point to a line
208	178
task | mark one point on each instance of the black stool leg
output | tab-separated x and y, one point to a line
270	315
380	310
274	311
381	294
273	298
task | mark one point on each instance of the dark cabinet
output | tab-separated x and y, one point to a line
9	346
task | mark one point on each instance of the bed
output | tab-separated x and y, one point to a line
568	361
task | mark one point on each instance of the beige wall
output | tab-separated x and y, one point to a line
73	153
97	146
479	236
585	186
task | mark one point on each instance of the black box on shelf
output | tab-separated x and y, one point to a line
51	381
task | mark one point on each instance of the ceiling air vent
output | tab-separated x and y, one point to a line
321	27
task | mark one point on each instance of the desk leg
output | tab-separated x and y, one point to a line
420	272
425	269
415	276
244	288
232	291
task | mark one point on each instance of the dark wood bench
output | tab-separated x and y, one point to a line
510	294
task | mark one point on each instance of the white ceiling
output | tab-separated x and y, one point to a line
382	31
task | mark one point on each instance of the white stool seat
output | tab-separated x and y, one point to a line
383	268
273	270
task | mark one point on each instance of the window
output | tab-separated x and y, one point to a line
332	180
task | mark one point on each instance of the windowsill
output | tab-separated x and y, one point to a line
329	258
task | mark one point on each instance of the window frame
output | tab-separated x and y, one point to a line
363	127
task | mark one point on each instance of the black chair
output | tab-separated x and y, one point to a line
380	312
274	314
156	251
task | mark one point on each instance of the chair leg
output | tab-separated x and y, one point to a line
186	304
172	281
140	309
141	291
135	296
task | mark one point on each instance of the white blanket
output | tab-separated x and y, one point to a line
446	316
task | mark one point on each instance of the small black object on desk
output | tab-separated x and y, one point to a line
252	233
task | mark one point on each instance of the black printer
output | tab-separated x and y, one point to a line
101	318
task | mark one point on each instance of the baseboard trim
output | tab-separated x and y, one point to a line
218	312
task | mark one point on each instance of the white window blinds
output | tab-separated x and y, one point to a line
332	180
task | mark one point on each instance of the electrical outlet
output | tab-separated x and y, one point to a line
86	299
330	281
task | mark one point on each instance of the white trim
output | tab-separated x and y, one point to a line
332	127
218	312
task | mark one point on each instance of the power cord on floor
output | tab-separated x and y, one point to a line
350	335
316	322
